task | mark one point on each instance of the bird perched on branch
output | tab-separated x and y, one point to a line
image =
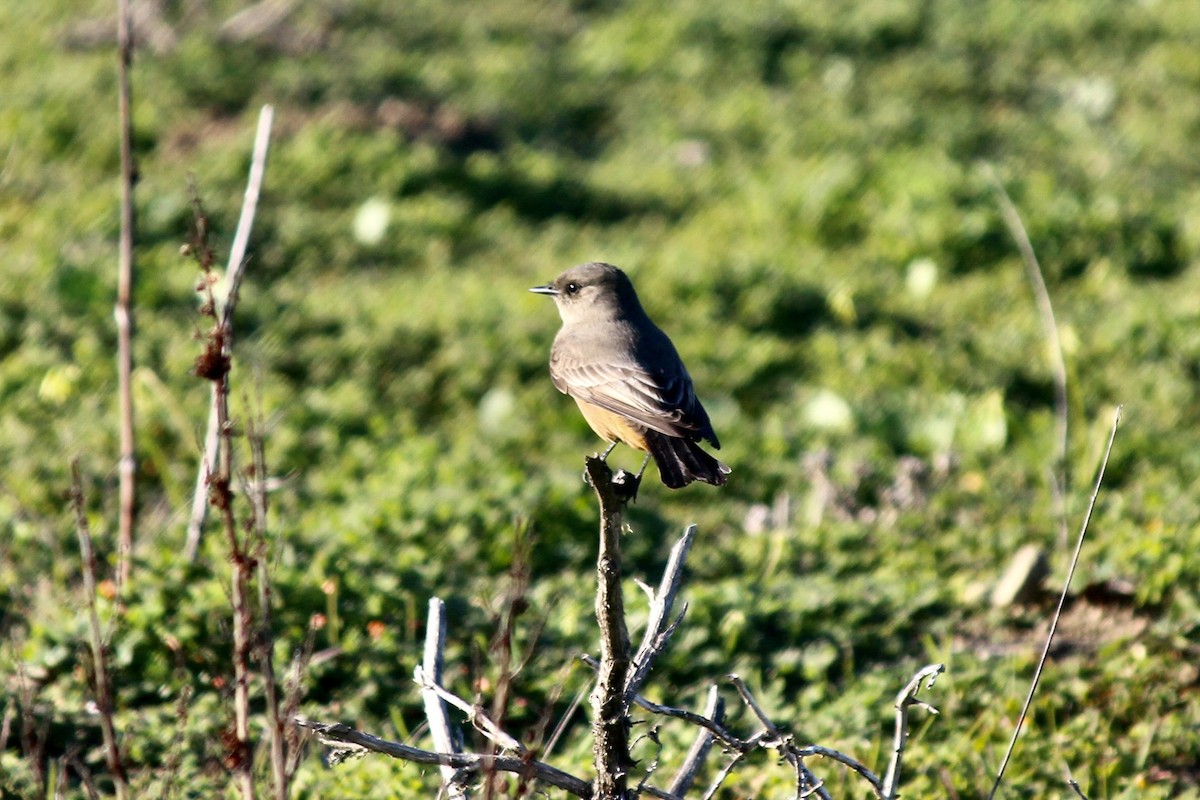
626	376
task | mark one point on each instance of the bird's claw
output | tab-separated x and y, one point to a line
626	484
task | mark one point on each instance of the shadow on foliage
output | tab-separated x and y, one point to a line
878	38
537	199
903	327
795	312
1024	390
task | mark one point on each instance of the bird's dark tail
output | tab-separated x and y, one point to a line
681	461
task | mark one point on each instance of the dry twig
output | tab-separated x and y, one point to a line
214	364
233	272
470	763
102	688
435	708
806	782
907	697
292	694
658	632
615	691
714	709
124	307
765	739
257	492
475	714
1062	600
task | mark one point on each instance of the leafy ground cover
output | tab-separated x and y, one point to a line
801	193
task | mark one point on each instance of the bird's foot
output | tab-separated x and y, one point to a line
595	468
626	485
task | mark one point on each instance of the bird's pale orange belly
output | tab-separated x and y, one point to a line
613	427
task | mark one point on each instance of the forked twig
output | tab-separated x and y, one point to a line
907	697
1062	599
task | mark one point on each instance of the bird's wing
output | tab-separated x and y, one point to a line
663	401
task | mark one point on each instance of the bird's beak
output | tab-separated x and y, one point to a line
544	289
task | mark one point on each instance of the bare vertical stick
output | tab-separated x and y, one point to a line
714	709
1062	599
1033	271
266	642
104	701
124	310
233	272
610	723
435	707
214	364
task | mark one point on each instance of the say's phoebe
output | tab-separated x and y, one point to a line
626	377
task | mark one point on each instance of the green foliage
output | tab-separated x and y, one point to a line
798	192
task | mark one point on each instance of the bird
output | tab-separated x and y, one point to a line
626	376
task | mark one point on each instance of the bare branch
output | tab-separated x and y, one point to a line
907	697
753	705
610	725
170	772
292	694
767	739
714	709
722	775
843	759
234	272
33	735
807	782
435	709
471	763
643	786
475	714
562	723
657	632
1062	600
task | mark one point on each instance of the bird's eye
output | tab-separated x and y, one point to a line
572	288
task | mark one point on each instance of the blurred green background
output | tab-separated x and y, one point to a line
800	191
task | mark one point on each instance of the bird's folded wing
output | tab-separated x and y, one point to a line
665	403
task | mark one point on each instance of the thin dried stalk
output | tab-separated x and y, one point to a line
103	692
124	310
